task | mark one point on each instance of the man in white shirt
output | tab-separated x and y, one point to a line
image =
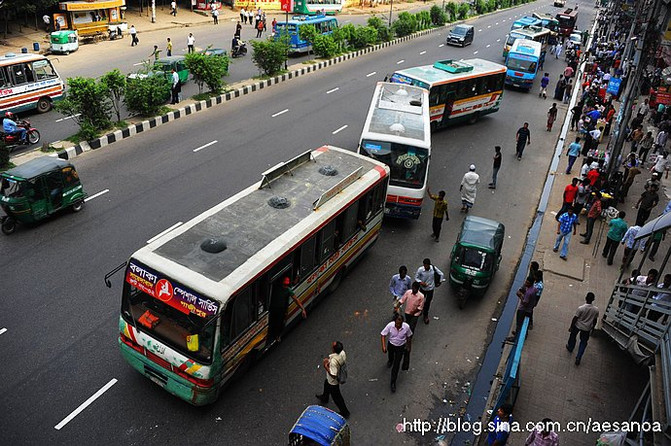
176	87
173	8
332	365
583	323
190	42
426	276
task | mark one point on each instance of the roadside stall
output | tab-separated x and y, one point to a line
91	19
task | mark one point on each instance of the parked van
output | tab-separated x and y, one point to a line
461	35
28	81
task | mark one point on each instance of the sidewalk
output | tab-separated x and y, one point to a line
607	383
185	18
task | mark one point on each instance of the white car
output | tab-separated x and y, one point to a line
560	3
576	38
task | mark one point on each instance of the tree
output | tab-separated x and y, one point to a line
146	95
383	31
115	85
464	9
207	70
453	10
438	16
87	104
406	24
324	46
269	55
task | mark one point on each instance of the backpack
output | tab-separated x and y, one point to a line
342	373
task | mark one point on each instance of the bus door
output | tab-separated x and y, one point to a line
441	102
280	284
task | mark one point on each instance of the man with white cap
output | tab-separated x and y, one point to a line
469	188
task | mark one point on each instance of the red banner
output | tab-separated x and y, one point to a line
287	5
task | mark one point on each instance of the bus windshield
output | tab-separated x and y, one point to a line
169	325
514	36
527	66
408	164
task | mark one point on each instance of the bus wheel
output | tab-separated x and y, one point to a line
8	225
336	281
43	105
474	118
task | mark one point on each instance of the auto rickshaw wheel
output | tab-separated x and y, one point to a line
77	205
8	225
43	105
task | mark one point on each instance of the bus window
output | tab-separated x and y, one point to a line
43	70
379	197
282	268
328	241
4	81
19	73
366	207
307	257
350	217
240	314
434	95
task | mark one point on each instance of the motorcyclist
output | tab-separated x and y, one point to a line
235	45
10	127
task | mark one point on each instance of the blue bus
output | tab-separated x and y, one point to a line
323	24
526	21
522	63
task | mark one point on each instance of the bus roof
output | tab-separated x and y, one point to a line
438	74
528	47
568	14
399	110
307	19
12	58
252	229
545	16
530	31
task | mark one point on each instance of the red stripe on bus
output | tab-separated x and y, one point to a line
322	149
381	171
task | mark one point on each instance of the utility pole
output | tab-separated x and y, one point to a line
391	9
153	11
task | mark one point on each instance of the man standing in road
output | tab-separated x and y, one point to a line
190	42
413	300
469	188
545	81
496	167
522	138
155	53
173	8
439	210
176	87
399	335
400	283
566	226
133	36
168	48
427	275
333	364
617	229
630	245
583	323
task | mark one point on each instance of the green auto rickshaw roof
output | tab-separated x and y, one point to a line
36	167
482	232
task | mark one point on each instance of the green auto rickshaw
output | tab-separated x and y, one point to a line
476	256
37	189
64	41
166	64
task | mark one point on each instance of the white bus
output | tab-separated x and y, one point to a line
199	302
462	90
397	132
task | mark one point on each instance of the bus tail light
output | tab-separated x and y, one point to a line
410	201
200	382
158	360
131	344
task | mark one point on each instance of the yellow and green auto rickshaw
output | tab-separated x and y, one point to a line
37	189
64	41
318	425
476	256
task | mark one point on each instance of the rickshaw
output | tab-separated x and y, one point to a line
475	256
37	189
64	41
318	425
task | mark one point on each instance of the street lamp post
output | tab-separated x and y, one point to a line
391	9
286	34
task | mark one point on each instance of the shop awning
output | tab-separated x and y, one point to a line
90	6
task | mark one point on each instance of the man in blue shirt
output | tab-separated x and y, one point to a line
499	429
545	80
573	154
400	283
10	128
566	227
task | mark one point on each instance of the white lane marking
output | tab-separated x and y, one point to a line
480	30
67	117
489	26
85	404
441	45
339	130
332	90
102	192
400	61
279	113
139	63
475	52
498	40
205	146
488	46
2	330
161	234
373	73
496	23
422	53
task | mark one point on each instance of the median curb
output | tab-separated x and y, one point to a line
157	121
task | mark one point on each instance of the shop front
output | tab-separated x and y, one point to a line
91	18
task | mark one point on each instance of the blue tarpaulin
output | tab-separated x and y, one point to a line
319	424
614	85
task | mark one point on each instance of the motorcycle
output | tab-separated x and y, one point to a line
241	50
114	33
13	141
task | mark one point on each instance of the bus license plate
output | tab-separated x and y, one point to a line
156	380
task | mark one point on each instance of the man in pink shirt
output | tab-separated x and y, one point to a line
414	304
399	336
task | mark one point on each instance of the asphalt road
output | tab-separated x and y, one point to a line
60	343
